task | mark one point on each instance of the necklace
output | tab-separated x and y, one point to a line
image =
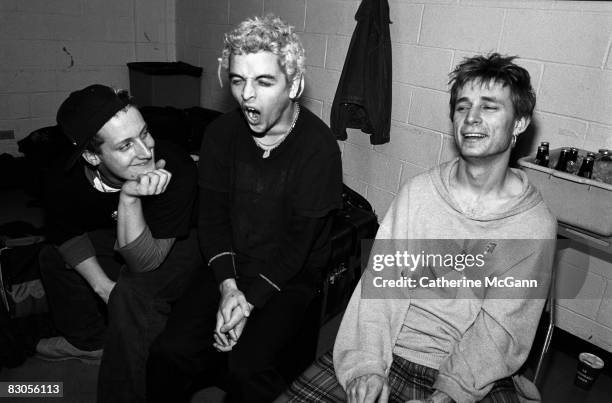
269	147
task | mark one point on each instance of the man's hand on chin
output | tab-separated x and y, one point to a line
148	184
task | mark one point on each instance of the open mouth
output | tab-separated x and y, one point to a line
473	136
252	115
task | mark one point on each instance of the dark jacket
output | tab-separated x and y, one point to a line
363	97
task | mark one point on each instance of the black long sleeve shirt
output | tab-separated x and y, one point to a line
267	219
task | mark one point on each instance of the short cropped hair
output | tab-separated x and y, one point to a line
95	143
269	33
495	68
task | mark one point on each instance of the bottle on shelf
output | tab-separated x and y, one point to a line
572	161
586	169
573	154
563	160
542	157
603	153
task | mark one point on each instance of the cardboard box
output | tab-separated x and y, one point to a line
578	201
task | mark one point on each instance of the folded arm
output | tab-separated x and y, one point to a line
499	340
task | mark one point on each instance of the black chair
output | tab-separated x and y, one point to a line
548	316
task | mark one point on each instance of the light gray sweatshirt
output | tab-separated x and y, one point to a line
476	337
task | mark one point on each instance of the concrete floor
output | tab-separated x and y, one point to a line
80	379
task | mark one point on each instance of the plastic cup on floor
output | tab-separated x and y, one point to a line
589	367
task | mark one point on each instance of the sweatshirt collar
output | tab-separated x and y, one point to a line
528	197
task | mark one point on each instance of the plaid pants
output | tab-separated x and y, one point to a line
407	381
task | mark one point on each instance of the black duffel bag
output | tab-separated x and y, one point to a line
353	231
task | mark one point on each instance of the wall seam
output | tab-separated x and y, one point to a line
501	33
305	13
608	51
325	54
135	29
418	39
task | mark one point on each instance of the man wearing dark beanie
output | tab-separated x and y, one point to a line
119	213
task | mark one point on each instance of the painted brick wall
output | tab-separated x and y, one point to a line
50	48
565	45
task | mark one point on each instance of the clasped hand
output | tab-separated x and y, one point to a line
232	316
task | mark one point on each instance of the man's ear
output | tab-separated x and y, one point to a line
520	125
92	158
297	87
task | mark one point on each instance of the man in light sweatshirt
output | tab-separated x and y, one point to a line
431	332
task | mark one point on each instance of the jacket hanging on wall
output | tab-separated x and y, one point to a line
363	96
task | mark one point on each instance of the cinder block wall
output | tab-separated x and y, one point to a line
565	45
50	48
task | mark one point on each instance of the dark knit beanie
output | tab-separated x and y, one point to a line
84	113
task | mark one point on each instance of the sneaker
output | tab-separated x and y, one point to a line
59	349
